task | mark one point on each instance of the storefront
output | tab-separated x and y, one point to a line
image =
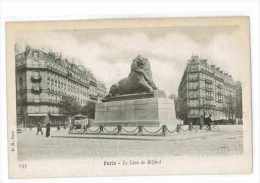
33	119
58	120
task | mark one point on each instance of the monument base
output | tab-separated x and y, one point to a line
147	112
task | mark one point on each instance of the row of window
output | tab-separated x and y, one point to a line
68	87
208	87
62	87
208	78
35	54
218	98
215	114
55	99
206	68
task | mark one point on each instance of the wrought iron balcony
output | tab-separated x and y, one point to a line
193	79
208	81
209	89
93	97
193	97
36	78
36	89
193	88
219	86
209	98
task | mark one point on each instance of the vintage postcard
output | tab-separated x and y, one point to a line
117	97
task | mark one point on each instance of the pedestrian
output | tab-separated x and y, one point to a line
58	126
48	129
201	122
190	126
178	128
208	122
39	128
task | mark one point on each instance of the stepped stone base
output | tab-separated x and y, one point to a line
151	112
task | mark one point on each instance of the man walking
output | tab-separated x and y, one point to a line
208	122
190	126
201	122
39	129
48	129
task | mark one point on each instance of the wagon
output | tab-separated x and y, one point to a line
79	121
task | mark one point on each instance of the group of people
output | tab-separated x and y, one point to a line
48	129
207	121
203	121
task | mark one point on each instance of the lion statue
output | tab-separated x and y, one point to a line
138	81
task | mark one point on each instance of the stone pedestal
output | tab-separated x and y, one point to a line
148	112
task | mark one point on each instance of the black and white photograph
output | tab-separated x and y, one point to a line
129	97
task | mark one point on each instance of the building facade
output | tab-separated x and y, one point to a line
206	89
43	78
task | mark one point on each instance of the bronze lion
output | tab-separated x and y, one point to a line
138	81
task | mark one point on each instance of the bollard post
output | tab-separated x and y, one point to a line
190	126
201	126
101	129
164	129
119	128
86	128
178	127
140	130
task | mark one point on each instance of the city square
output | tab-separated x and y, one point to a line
110	94
226	140
133	118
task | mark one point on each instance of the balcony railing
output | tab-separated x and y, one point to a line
219	86
36	65
193	88
60	71
219	93
36	89
209	89
42	100
193	97
209	98
36	78
194	79
194	69
93	83
207	106
208	81
219	100
93	97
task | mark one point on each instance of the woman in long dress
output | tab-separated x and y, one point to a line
48	129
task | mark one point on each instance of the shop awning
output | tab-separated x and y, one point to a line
58	115
79	116
37	114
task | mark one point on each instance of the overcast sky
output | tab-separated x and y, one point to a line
109	52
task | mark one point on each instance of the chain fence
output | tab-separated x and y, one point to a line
92	131
144	131
134	131
154	133
110	132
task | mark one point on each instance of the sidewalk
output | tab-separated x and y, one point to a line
186	135
228	140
